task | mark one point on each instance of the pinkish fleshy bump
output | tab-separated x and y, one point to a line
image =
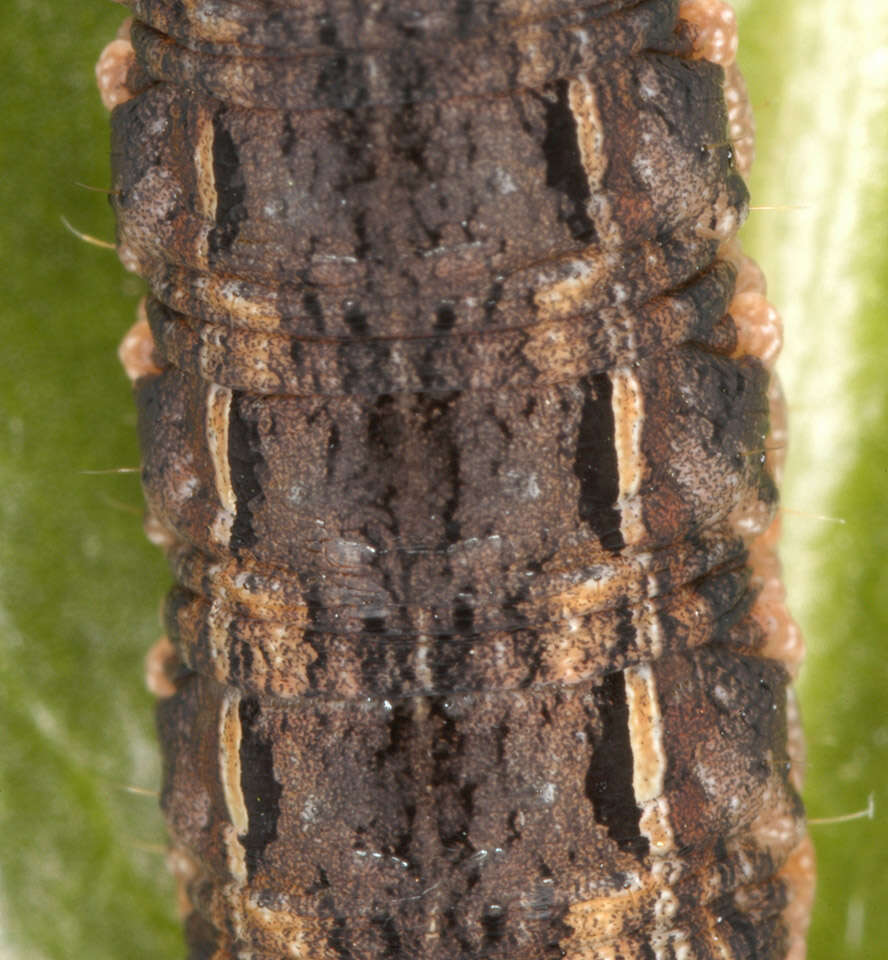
749	273
161	664
128	258
136	350
783	638
800	872
158	533
759	327
124	31
749	519
750	277
184	869
715	29
112	68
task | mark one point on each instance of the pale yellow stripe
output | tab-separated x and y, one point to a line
218	413
230	774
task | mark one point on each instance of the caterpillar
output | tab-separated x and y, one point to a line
458	429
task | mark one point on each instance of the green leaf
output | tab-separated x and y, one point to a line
818	78
81	859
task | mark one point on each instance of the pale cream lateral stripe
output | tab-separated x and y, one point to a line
648	759
230	774
645	734
218	412
590	132
628	410
207	196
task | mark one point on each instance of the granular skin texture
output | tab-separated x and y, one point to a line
458	429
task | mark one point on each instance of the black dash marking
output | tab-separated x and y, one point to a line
262	792
564	164
609	778
333	81
289	139
363	247
493	299
322	883
444	318
400	733
337	939
434	410
465	11
647	951
388	931
626	632
738	930
463	616
312	306
231	188
244	460
333	443
327	35
493	920
201	937
384	428
357	321
449	514
595	464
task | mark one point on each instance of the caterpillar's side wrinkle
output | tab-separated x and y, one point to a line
454	402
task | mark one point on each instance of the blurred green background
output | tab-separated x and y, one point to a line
81	856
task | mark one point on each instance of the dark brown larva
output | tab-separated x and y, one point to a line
454	426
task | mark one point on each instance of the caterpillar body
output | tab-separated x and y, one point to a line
454	406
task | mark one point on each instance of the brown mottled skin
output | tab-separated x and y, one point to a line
418	288
447	806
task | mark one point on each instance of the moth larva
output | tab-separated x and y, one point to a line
456	441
